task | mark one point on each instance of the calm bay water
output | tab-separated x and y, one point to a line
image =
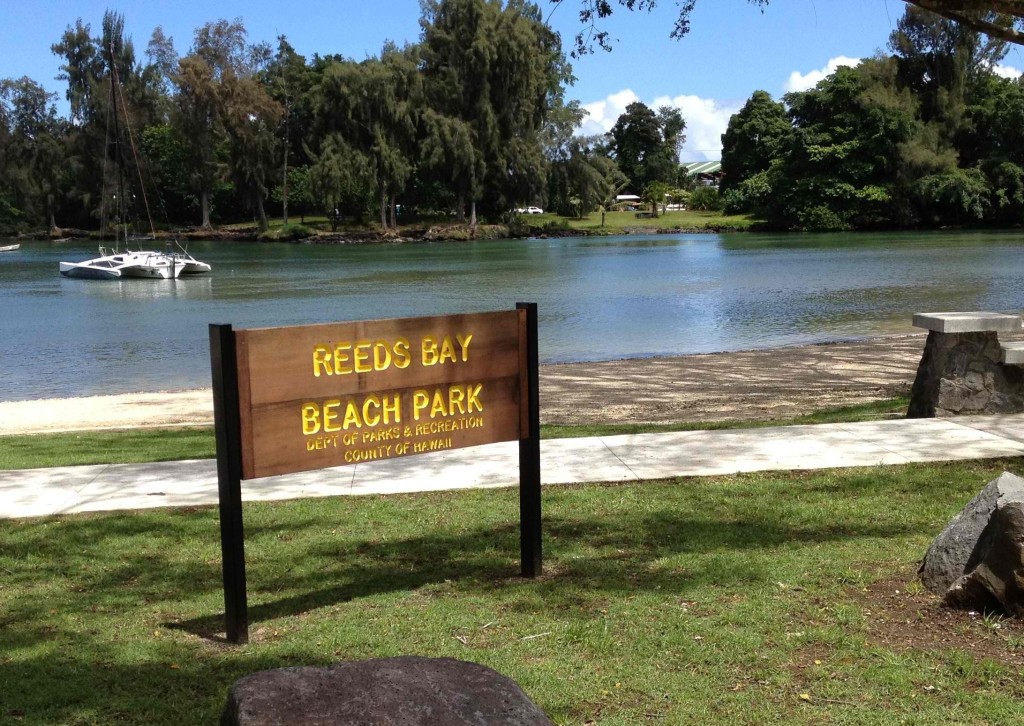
599	298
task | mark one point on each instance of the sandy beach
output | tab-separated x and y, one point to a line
757	384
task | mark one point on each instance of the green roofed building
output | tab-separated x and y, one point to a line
707	173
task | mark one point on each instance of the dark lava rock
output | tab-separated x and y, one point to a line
977	562
404	691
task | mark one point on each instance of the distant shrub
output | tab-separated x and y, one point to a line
517	224
750	195
287	233
705	199
822	219
556	225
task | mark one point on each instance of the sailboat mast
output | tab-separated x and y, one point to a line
134	149
120	208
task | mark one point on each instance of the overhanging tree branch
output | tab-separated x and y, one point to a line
971	15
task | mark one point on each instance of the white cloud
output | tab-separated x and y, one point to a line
604	114
1005	71
805	81
706	120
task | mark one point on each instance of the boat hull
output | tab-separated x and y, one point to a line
139	265
81	271
193	267
189	264
152	271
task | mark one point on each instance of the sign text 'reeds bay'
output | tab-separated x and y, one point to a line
366	356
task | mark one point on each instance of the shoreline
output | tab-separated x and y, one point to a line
431	233
768	383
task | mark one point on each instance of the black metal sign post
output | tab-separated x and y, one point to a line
228	429
529	455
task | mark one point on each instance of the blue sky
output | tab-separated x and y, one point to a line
733	49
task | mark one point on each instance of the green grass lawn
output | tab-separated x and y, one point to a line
137	446
753	599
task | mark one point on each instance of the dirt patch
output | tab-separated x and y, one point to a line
900	616
757	384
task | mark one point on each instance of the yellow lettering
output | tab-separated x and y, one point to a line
368	418
352	416
310	419
341	358
456	398
402	355
381	356
438	407
447	350
472	398
420	400
464	342
429	351
331	415
361	354
392	408
321	358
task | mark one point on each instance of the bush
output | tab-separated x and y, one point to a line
705	199
822	219
750	195
516	223
287	233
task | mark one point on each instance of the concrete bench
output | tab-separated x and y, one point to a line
965	369
972	322
1013	353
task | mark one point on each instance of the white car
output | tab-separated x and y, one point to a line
534	210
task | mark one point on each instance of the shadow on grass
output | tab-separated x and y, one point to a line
613	554
85	598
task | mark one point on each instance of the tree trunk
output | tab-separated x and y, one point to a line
261	213
284	193
204	201
394	211
472	214
383	208
284	174
460	206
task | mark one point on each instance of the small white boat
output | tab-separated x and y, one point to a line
9	248
189	264
143	264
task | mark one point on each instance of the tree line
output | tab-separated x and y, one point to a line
470	121
928	135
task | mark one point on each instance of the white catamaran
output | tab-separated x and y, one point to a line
116	264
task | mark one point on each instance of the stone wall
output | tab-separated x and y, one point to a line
961	373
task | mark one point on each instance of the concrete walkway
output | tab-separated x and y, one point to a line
40	492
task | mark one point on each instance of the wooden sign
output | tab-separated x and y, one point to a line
315	396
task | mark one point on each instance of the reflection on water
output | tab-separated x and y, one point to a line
199	287
599	298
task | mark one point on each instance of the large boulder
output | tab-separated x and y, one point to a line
977	562
403	691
